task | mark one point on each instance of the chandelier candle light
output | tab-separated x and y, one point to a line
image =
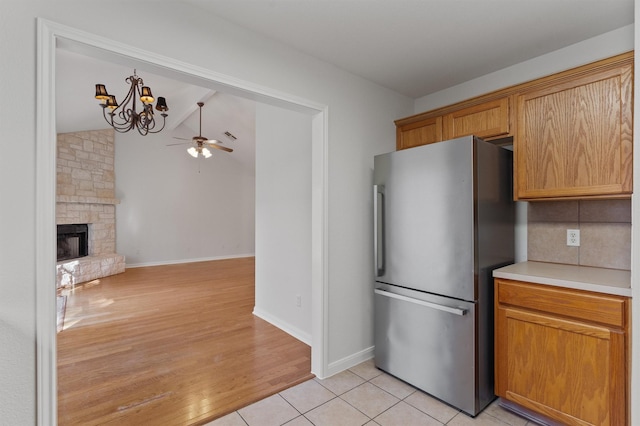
124	117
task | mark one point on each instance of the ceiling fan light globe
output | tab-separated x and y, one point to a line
193	152
206	153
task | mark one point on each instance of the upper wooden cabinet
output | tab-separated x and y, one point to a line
572	131
486	120
574	138
420	133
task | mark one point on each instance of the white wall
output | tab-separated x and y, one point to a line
175	208
584	52
360	125
283	219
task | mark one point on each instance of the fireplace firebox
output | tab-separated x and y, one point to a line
73	241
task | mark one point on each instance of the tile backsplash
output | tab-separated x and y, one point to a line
605	232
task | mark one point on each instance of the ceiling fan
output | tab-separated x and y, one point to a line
201	143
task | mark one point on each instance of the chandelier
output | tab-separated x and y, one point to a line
125	117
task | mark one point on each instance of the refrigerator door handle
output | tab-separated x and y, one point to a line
378	230
456	311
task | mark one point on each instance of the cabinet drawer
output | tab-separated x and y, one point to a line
592	307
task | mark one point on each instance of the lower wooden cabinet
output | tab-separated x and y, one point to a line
562	353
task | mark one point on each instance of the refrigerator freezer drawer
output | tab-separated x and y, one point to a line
428	341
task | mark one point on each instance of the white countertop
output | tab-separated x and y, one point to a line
601	280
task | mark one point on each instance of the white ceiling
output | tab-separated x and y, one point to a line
415	47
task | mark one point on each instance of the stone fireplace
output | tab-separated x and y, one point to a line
85	195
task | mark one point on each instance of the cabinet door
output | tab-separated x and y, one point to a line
420	133
567	370
575	139
487	120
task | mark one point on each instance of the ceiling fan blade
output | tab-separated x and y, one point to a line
220	147
181	143
182	139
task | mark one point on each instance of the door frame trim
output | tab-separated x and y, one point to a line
48	35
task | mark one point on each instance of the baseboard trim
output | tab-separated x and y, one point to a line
284	326
350	361
175	262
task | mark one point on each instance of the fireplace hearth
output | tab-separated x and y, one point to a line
73	241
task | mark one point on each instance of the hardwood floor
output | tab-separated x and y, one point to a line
171	345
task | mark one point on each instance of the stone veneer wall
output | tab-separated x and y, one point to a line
86	194
605	232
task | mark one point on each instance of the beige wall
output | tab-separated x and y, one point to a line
605	232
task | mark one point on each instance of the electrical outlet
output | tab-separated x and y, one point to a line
298	300
573	237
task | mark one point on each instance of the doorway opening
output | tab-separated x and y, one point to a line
50	34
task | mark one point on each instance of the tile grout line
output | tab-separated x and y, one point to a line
372	419
382	389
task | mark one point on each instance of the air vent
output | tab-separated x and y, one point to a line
230	135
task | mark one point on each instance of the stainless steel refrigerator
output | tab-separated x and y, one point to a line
443	220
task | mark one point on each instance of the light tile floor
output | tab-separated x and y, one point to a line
362	395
